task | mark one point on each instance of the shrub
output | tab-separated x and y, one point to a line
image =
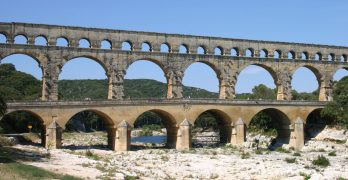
245	155
332	153
258	151
305	176
290	160
296	154
321	161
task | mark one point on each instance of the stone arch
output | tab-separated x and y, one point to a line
18	35
107	43
84	40
5	36
145	45
223	120
269	69
64	120
280	121
218	50
314	123
165	45
184	49
277	54
96	59
314	70
168	121
36	115
201	49
37	39
337	70
62	38
155	61
263	53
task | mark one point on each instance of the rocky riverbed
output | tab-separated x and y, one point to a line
225	162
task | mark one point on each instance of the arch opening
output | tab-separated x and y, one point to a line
62	41
256	82
234	52
127	46
263	53
149	83
201	50
3	38
20	39
20	78
305	84
269	129
291	55
76	82
249	52
199	87
183	49
84	43
304	56
88	129
106	44
154	128
344	58
331	57
318	56
277	54
146	46
165	48
340	73
25	126
41	41
218	51
212	128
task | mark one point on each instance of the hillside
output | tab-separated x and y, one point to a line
15	85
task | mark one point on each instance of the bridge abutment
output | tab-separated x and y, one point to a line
184	137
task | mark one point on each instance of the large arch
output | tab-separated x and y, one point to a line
167	120
305	83
30	76
151	74
26	125
268	119
315	123
92	123
256	75
193	77
76	76
216	123
338	74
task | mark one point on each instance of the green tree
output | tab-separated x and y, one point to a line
263	92
337	110
3	106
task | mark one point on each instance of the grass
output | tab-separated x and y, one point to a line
332	153
305	176
281	150
16	170
297	154
90	155
321	161
245	155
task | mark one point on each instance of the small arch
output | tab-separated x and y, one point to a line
249	52
201	50
106	44
62	41
212	124
127	46
277	54
291	55
84	43
304	56
20	39
183	49
218	51
318	56
331	57
146	46
234	51
344	58
263	53
41	41
165	48
3	38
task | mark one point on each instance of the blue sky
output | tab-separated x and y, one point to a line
310	21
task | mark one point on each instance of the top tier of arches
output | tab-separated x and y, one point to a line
49	35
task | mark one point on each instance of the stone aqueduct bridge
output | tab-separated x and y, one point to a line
280	59
178	116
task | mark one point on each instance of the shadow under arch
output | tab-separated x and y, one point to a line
168	121
212	120
272	119
97	121
16	123
315	124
